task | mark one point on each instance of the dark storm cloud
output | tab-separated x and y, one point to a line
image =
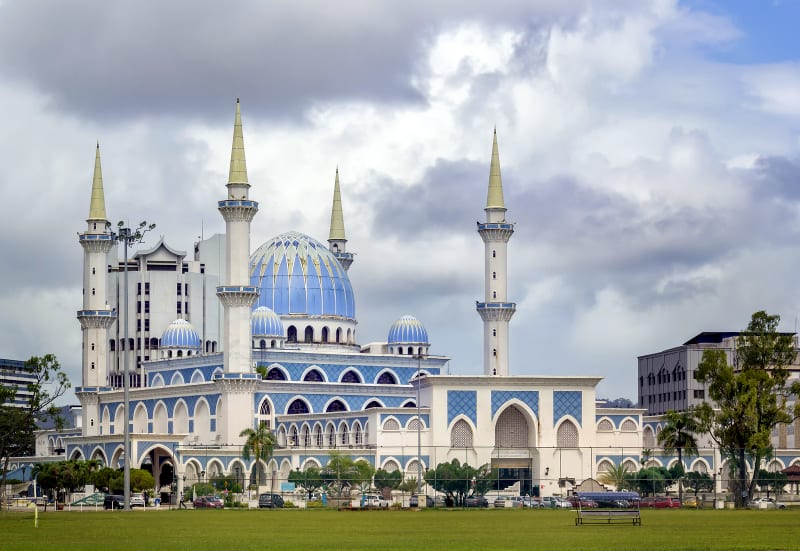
128	59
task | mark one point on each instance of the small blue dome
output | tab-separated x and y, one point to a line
180	334
266	323
297	275
408	330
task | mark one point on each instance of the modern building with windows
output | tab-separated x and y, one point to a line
239	336
14	375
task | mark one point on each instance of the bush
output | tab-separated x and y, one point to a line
289	505
314	505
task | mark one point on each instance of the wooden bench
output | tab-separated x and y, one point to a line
609	512
608	516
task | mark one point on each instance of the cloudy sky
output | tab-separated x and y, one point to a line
650	152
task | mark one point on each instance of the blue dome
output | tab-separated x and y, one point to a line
299	275
266	323
408	330
180	334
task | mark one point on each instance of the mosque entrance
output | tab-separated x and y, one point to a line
512	473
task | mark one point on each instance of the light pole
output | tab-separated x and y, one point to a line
128	238
419	429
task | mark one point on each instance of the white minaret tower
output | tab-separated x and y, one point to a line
496	311
337	242
95	317
238	382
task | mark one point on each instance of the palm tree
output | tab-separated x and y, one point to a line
617	476
678	434
258	444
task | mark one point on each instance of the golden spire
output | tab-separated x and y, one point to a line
238	173
337	218
494	199
97	207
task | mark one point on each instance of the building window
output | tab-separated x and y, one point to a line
147	324
138	288
147	307
92	346
178	307
92	291
147	288
494	275
138	325
185	307
494	332
179	289
186	289
700	393
494	294
93	270
494	254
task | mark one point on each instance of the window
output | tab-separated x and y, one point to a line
494	275
461	435
387	378
147	288
138	325
494	332
313	376
138	306
147	307
494	254
92	346
92	291
179	289
291	334
298	407
185	307
700	393
605	426
147	324
391	424
494	294
309	334
351	377
178	307
138	288
336	405
275	374
567	435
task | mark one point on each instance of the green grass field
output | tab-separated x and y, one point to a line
396	530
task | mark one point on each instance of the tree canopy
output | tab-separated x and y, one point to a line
258	444
459	480
750	398
18	423
678	434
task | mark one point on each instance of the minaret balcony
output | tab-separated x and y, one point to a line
237	295
345	259
96	242
96	319
496	311
495	231
237	209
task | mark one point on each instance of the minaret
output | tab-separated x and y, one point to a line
496	312
337	242
238	382
237	295
95	317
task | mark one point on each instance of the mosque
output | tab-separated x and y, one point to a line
225	340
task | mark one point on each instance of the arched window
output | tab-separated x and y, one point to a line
511	430
298	407
262	344
567	435
391	424
415	425
325	332
293	439
629	426
318	440
387	378
605	426
339	335
648	439
410	404
331	436
351	376
373	404
306	437
309	334
494	254
344	435
357	434
275	374
336	405
313	376
291	334
112	344
461	435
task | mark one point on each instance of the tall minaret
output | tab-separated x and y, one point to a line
95	317
237	295
496	312
337	242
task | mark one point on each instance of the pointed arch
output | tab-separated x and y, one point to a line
358	435
605	425
265	413
629	425
511	429
391	424
314	375
373	403
105	421
344	434
140	419
99	455
567	435
648	438
391	465
202	420
177	379
414	424
157	381
330	435
298	406
180	418
386	377
335	405
119	420
351	376
277	373
461	435
160	419
197	376
318	438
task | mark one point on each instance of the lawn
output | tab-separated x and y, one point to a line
396	530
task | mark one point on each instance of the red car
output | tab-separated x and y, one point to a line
660	502
208	502
585	503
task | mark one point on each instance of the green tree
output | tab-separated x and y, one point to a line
457	480
387	481
258	444
772	481
310	480
678	434
698	482
618	476
342	474
102	478
18	424
750	398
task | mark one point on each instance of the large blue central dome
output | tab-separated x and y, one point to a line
297	274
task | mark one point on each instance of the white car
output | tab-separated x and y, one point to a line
766	503
137	501
374	501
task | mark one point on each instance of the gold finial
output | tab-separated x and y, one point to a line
337	217
238	172
97	206
494	199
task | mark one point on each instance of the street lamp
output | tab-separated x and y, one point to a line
128	238
419	428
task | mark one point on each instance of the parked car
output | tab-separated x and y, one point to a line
690	501
137	501
477	501
208	502
766	503
413	501
270	501
114	502
531	502
372	501
660	502
574	501
500	503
